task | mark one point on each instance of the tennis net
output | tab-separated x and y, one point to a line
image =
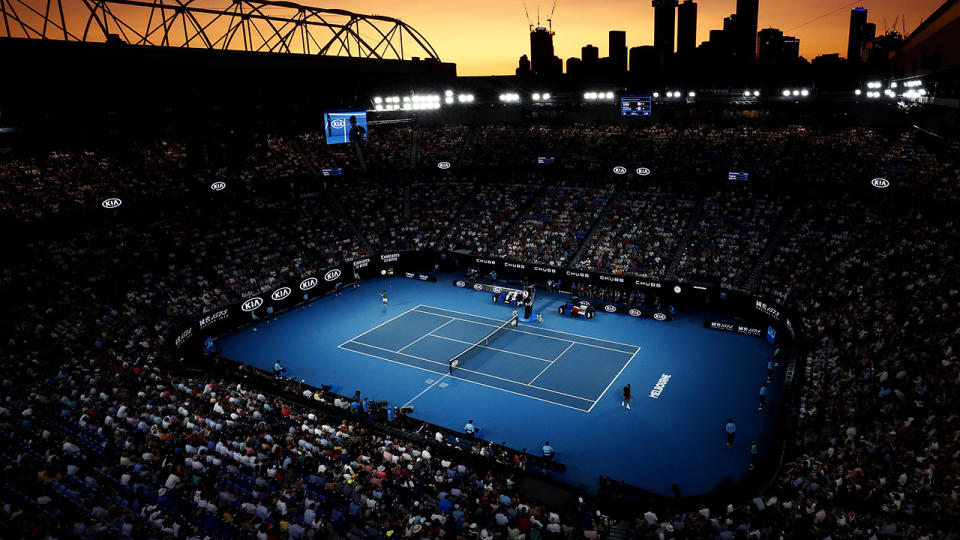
475	348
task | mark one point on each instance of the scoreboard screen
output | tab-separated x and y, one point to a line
640	105
738	176
345	126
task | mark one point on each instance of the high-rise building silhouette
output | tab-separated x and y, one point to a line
589	54
745	31
776	48
618	51
644	60
664	17
542	60
687	26
791	48
574	66
523	69
856	40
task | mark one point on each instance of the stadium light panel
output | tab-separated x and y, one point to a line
535	96
691	94
796	92
804	92
746	93
786	93
857	92
756	93
656	94
448	100
609	95
448	93
546	96
378	99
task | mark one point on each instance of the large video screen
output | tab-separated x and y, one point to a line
345	126
641	105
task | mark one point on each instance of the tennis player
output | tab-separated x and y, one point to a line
626	397
383	297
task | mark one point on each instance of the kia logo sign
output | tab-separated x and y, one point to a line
339	123
332	275
881	183
308	283
497	290
677	289
280	293
619	169
443	165
634	312
112	202
460	284
218	186
477	287
643	171
610	308
252	304
659	316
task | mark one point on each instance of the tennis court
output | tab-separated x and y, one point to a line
564	369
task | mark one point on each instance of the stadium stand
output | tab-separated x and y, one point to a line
103	438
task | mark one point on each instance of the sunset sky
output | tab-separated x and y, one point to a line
487	37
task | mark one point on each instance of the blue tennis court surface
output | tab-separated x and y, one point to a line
556	367
559	380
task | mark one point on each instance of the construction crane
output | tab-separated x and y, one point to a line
549	17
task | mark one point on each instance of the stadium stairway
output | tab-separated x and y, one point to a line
472	191
520	212
332	200
337	208
359	153
685	239
413	149
776	237
593	230
467	139
304	158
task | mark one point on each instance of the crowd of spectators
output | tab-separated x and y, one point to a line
103	439
487	216
442	143
379	211
389	147
638	234
879	451
558	220
728	237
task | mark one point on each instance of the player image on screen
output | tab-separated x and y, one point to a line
345	126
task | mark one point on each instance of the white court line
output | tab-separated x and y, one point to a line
414	398
469	381
486	347
385	322
473	371
551	363
534	334
543	329
425	335
612	380
391	361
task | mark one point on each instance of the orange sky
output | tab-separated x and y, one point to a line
487	37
